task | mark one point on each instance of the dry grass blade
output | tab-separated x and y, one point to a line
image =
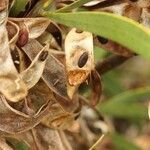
97	142
149	110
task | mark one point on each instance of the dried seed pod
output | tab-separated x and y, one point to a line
34	26
79	56
32	75
54	72
12	86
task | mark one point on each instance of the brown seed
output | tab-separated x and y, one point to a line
23	38
43	55
133	0
83	59
78	31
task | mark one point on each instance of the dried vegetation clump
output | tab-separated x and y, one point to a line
42	65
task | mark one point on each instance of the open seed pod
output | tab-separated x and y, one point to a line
13	88
79	56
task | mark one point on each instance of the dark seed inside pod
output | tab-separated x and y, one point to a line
23	37
83	59
43	55
133	0
102	40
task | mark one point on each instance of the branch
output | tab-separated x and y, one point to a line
110	63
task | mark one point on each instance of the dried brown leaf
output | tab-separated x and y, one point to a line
13	121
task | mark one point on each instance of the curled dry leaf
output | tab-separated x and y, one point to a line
58	118
39	97
32	75
11	85
13	121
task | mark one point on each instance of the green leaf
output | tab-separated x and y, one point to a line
74	5
21	146
133	95
19	6
127	111
112	85
126	105
121	143
117	28
99	53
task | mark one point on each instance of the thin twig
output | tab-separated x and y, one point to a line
110	63
149	110
97	142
